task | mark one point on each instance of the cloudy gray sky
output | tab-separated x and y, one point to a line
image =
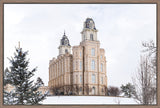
121	30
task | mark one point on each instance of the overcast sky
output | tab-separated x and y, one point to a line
121	30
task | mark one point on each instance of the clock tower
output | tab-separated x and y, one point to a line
64	47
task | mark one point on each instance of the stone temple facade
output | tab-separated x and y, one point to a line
82	72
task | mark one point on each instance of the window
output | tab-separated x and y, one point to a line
87	25
102	90
93	52
76	79
83	37
93	65
101	80
80	65
91	37
101	67
101	56
76	65
93	90
93	78
76	54
66	51
65	42
80	54
90	25
62	67
80	78
80	89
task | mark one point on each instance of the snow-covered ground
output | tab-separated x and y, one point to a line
84	100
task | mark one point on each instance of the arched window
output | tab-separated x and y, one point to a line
76	65
65	42
93	65
80	89
76	79
87	25
80	78
93	52
101	67
62	67
101	80
93	90
80	65
93	78
91	37
91	25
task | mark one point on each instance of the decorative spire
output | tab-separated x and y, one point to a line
64	40
19	44
64	33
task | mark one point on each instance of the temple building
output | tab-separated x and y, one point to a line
82	72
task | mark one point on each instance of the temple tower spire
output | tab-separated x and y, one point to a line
89	31
65	46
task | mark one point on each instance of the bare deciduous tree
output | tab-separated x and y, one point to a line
145	79
105	90
113	91
151	49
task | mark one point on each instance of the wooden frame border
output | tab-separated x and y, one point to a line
2	2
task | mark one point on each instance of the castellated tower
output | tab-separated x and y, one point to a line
84	71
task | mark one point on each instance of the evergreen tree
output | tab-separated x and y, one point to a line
128	89
9	98
8	95
6	79
25	92
5	72
39	80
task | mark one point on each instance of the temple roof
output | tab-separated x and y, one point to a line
89	23
65	40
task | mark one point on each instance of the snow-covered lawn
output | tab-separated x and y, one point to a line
84	100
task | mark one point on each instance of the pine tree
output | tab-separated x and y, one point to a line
25	92
39	80
9	98
6	78
128	89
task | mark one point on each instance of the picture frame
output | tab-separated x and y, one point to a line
2	2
